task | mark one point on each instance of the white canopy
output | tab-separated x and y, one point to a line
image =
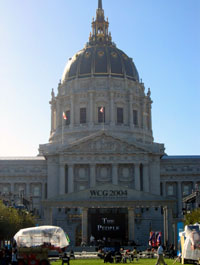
37	236
191	249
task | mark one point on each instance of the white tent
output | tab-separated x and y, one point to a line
37	236
191	248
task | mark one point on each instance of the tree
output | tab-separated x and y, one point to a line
192	217
11	220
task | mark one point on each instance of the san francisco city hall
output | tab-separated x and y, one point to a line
101	173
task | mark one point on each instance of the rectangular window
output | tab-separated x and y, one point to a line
135	117
82	115
101	114
36	191
5	190
186	190
170	190
120	118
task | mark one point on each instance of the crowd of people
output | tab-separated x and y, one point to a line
8	256
118	255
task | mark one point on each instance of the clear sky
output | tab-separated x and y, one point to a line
37	37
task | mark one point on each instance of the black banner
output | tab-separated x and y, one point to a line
108	226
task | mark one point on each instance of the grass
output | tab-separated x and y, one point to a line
100	262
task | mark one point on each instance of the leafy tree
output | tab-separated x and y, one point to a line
11	220
193	217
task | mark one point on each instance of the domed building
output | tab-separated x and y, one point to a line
101	173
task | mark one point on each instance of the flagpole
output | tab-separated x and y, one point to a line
103	118
102	111
64	118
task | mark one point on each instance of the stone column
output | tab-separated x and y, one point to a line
48	216
70	178
53	176
168	230
142	114
146	177
170	226
131	223
28	189
91	109
92	175
85	225
52	118
71	111
131	110
194	183
58	114
115	174
179	197
175	235
112	109
165	215
62	180
43	190
150	117
12	189
164	188
137	176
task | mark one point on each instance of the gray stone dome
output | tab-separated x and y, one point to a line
100	60
100	57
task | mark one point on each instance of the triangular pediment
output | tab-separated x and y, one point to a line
103	142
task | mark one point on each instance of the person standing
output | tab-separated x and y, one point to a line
160	259
14	257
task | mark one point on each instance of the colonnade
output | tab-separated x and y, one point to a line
167	221
26	187
92	173
178	194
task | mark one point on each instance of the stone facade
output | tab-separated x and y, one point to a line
101	160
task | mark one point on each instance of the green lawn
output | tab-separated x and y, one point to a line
100	262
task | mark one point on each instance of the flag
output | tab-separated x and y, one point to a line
101	110
67	238
64	116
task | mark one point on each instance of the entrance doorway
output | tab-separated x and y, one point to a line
108	226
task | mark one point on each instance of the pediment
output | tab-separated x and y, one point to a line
104	143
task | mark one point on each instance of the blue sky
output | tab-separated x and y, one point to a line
37	37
